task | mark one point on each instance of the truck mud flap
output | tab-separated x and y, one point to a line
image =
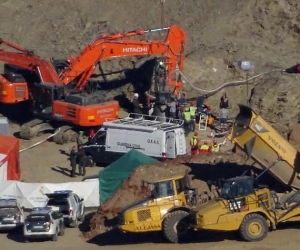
265	145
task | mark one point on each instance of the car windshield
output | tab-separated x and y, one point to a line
38	218
237	188
162	189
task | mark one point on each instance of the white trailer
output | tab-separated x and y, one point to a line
152	135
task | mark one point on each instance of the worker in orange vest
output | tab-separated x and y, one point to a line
194	142
204	148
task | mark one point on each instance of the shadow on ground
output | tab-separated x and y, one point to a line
109	238
221	171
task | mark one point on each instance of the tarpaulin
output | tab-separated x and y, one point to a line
112	177
32	195
9	146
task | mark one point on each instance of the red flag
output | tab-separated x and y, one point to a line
294	69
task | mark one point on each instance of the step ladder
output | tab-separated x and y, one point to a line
203	120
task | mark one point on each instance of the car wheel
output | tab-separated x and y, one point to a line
83	215
55	236
25	240
90	161
74	223
62	230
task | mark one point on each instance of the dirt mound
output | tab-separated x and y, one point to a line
294	137
200	168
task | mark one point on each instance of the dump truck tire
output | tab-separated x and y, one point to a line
254	228
176	226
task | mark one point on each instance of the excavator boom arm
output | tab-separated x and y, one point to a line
107	47
27	60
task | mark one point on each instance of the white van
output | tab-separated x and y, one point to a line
154	136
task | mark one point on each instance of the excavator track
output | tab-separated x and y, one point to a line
30	129
34	128
64	134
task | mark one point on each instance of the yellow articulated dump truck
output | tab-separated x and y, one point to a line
244	205
266	146
166	208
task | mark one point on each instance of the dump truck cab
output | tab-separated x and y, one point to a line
248	208
166	208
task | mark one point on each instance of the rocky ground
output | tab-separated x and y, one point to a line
219	34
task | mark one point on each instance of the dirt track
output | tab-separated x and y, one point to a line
277	240
36	166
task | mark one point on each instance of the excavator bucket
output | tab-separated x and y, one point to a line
266	146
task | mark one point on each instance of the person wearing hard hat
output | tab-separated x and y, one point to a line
204	148
161	75
136	105
194	142
193	110
215	147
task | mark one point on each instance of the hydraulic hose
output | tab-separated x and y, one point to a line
226	84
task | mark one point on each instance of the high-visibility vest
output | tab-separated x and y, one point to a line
204	147
193	111
215	148
187	116
194	141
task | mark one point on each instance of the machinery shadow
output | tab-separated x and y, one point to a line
17	113
221	171
140	78
85	224
16	236
109	238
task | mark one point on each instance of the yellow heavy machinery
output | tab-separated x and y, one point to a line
243	205
166	208
249	209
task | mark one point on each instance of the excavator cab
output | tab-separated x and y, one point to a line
15	84
44	95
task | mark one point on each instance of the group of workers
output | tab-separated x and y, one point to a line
196	147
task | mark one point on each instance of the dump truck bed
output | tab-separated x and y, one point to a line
266	146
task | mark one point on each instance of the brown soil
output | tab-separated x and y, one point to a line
218	35
294	137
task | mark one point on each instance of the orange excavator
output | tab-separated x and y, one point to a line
60	98
118	45
15	80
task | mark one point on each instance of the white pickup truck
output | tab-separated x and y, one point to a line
69	204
